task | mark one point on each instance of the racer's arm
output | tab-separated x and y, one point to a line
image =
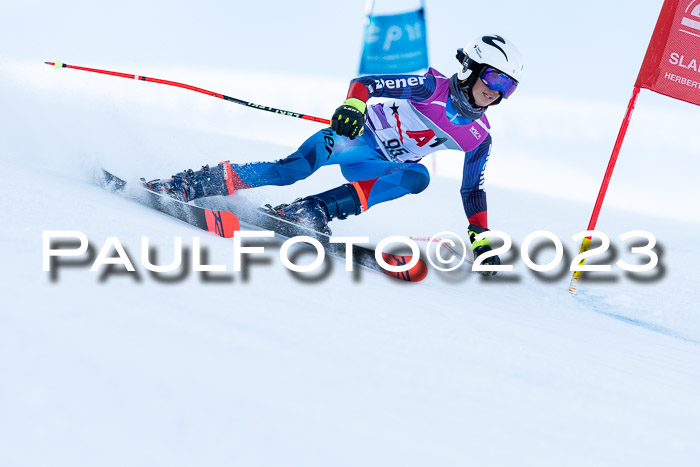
413	87
473	194
474	200
349	119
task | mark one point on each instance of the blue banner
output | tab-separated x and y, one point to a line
395	44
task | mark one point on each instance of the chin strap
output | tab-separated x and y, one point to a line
470	95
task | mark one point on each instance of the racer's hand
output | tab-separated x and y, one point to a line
482	246
349	119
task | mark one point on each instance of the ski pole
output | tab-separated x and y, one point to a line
58	64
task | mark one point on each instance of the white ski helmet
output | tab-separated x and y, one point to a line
490	50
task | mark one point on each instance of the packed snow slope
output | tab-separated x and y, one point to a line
266	367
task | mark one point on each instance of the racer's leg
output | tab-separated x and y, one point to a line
322	148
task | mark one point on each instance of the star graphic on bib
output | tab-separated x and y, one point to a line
395	109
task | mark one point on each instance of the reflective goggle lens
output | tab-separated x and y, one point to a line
498	81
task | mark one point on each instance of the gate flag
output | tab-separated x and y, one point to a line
671	65
394	43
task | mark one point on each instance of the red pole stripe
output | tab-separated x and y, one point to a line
316	119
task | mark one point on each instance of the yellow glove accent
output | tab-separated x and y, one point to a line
473	232
357	103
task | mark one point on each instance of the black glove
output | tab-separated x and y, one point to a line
482	246
349	118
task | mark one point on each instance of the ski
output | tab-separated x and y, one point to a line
363	256
221	223
225	224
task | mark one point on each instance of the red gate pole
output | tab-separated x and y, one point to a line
585	245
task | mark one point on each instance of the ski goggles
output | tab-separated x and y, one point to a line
498	81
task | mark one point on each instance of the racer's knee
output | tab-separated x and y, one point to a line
416	178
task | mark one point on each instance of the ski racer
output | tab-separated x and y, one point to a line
378	143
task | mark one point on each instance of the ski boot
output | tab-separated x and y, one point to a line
190	185
308	212
316	211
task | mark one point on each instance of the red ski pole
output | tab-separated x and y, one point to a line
193	88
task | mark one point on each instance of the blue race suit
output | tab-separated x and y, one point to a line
413	117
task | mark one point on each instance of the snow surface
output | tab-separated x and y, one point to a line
335	368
